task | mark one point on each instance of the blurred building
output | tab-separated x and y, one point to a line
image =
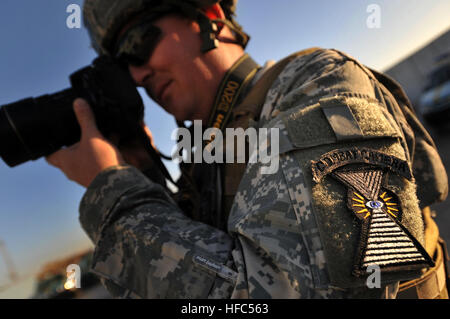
413	72
425	76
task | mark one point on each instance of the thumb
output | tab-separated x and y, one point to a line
85	117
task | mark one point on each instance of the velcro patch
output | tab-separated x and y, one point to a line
343	122
383	240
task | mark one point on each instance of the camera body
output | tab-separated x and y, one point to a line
37	127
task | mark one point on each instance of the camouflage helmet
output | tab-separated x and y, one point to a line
104	19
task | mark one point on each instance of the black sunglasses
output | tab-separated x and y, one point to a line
137	44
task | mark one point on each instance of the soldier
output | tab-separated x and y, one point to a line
356	172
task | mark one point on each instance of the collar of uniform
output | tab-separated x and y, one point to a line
240	109
255	80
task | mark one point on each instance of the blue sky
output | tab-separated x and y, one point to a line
39	206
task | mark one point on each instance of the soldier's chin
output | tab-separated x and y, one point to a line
179	114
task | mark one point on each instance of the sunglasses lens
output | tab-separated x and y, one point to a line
129	59
138	44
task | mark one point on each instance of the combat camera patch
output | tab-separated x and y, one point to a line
383	240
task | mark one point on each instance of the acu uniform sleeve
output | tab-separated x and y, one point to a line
145	247
327	103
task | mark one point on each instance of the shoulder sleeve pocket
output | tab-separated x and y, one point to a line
338	119
340	123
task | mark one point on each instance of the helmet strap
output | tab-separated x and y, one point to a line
208	32
242	37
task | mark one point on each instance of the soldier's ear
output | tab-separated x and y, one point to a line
214	12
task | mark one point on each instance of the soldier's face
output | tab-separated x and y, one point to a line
178	76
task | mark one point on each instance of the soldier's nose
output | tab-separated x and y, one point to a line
140	73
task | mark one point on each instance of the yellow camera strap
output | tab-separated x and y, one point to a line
231	88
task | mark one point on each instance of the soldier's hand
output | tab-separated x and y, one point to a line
83	161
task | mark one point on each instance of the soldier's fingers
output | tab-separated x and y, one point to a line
56	159
86	118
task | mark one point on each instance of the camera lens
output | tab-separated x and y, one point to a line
36	127
12	148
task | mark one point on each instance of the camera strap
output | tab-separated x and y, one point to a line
230	90
160	175
200	184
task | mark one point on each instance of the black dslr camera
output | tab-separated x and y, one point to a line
37	127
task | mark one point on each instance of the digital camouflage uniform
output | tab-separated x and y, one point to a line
288	236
